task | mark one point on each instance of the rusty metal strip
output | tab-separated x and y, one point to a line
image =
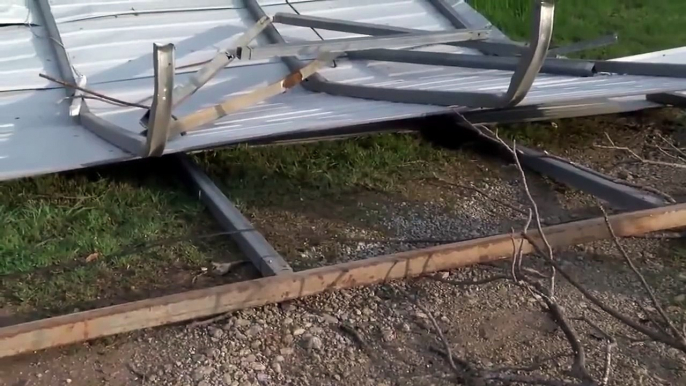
195	120
82	326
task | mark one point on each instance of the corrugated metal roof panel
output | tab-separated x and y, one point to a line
37	136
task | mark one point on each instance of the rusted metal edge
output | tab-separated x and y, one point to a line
82	326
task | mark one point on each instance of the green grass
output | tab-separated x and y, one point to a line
642	25
54	222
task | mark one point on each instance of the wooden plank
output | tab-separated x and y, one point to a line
147	313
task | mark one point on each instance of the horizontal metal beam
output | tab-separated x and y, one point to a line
505	63
575	175
250	241
92	324
313	48
126	140
488	46
671	99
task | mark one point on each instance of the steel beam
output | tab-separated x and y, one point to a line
360	28
251	242
161	109
521	81
671	99
505	63
312	48
574	175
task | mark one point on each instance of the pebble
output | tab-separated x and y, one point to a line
288	339
216	332
276	366
287	351
298	331
256	344
227	378
329	319
201	372
254	330
203	383
242	323
312	342
680	298
279	358
257	366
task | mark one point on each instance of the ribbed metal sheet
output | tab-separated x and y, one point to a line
110	41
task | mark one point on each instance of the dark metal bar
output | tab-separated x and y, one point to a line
161	109
506	63
490	47
574	175
251	242
522	79
671	99
314	48
640	68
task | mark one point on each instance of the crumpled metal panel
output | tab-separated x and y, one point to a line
36	135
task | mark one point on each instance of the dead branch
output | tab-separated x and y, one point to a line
635	155
651	294
656	336
611	343
96	94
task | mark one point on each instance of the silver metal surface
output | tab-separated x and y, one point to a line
251	242
38	136
161	109
218	62
364	43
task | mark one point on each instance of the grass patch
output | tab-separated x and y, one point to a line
269	175
642	25
52	224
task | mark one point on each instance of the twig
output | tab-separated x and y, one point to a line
439	331
611	343
636	156
641	278
657	336
671	145
97	94
207	322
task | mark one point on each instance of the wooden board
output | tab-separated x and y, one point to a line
117	319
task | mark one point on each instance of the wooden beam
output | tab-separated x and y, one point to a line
82	326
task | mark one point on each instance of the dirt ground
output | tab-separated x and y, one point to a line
378	335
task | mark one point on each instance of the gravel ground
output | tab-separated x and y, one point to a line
378	335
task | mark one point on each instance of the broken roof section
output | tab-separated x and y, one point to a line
110	43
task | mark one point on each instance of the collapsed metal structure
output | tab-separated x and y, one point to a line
475	74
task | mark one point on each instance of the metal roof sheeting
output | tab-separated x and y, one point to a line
110	41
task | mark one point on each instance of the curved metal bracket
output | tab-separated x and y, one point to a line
160	111
529	66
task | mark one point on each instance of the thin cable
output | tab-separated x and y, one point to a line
313	30
97	94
